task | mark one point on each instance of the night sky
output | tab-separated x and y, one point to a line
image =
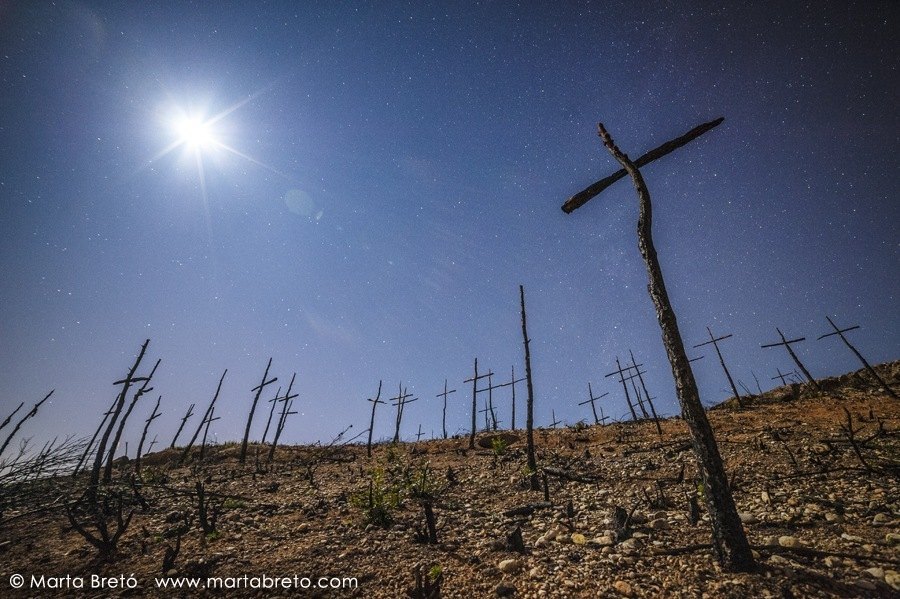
380	177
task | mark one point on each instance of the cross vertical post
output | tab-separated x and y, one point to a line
840	333
787	345
715	343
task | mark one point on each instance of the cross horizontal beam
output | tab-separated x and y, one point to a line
587	194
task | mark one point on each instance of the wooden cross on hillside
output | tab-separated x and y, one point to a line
591	400
840	333
714	341
444	395
787	345
375	402
729	540
474	380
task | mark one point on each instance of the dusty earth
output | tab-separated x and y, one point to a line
823	519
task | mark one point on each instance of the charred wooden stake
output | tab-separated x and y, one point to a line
555	422
591	399
419	434
840	333
375	402
715	343
144	388
490	403
640	375
287	402
529	418
474	380
639	399
399	400
259	389
621	372
206	416
272	401
781	376
31	414
153	416
787	345
444	416
190	412
90	445
729	541
209	421
512	383
10	417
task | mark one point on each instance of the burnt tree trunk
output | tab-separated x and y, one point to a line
188	414
375	402
119	405
474	406
529	410
259	390
729	540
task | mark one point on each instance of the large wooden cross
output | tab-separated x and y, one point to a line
729	540
714	341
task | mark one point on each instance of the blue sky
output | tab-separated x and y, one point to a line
398	170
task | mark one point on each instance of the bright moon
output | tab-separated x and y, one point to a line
195	133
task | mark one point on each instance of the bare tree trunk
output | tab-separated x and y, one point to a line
31	414
120	404
259	391
729	541
474	405
153	416
529	415
375	403
107	471
188	414
206	416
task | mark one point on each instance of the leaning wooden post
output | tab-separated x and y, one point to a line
272	401
787	345
287	403
621	372
591	400
729	541
375	402
714	341
31	414
640	375
9	418
258	389
107	471
119	404
781	376
209	410
188	414
444	417
153	416
529	414
840	333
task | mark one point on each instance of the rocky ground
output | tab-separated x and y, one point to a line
823	518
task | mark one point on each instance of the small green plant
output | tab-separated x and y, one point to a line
435	572
214	535
234	504
379	501
499	446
